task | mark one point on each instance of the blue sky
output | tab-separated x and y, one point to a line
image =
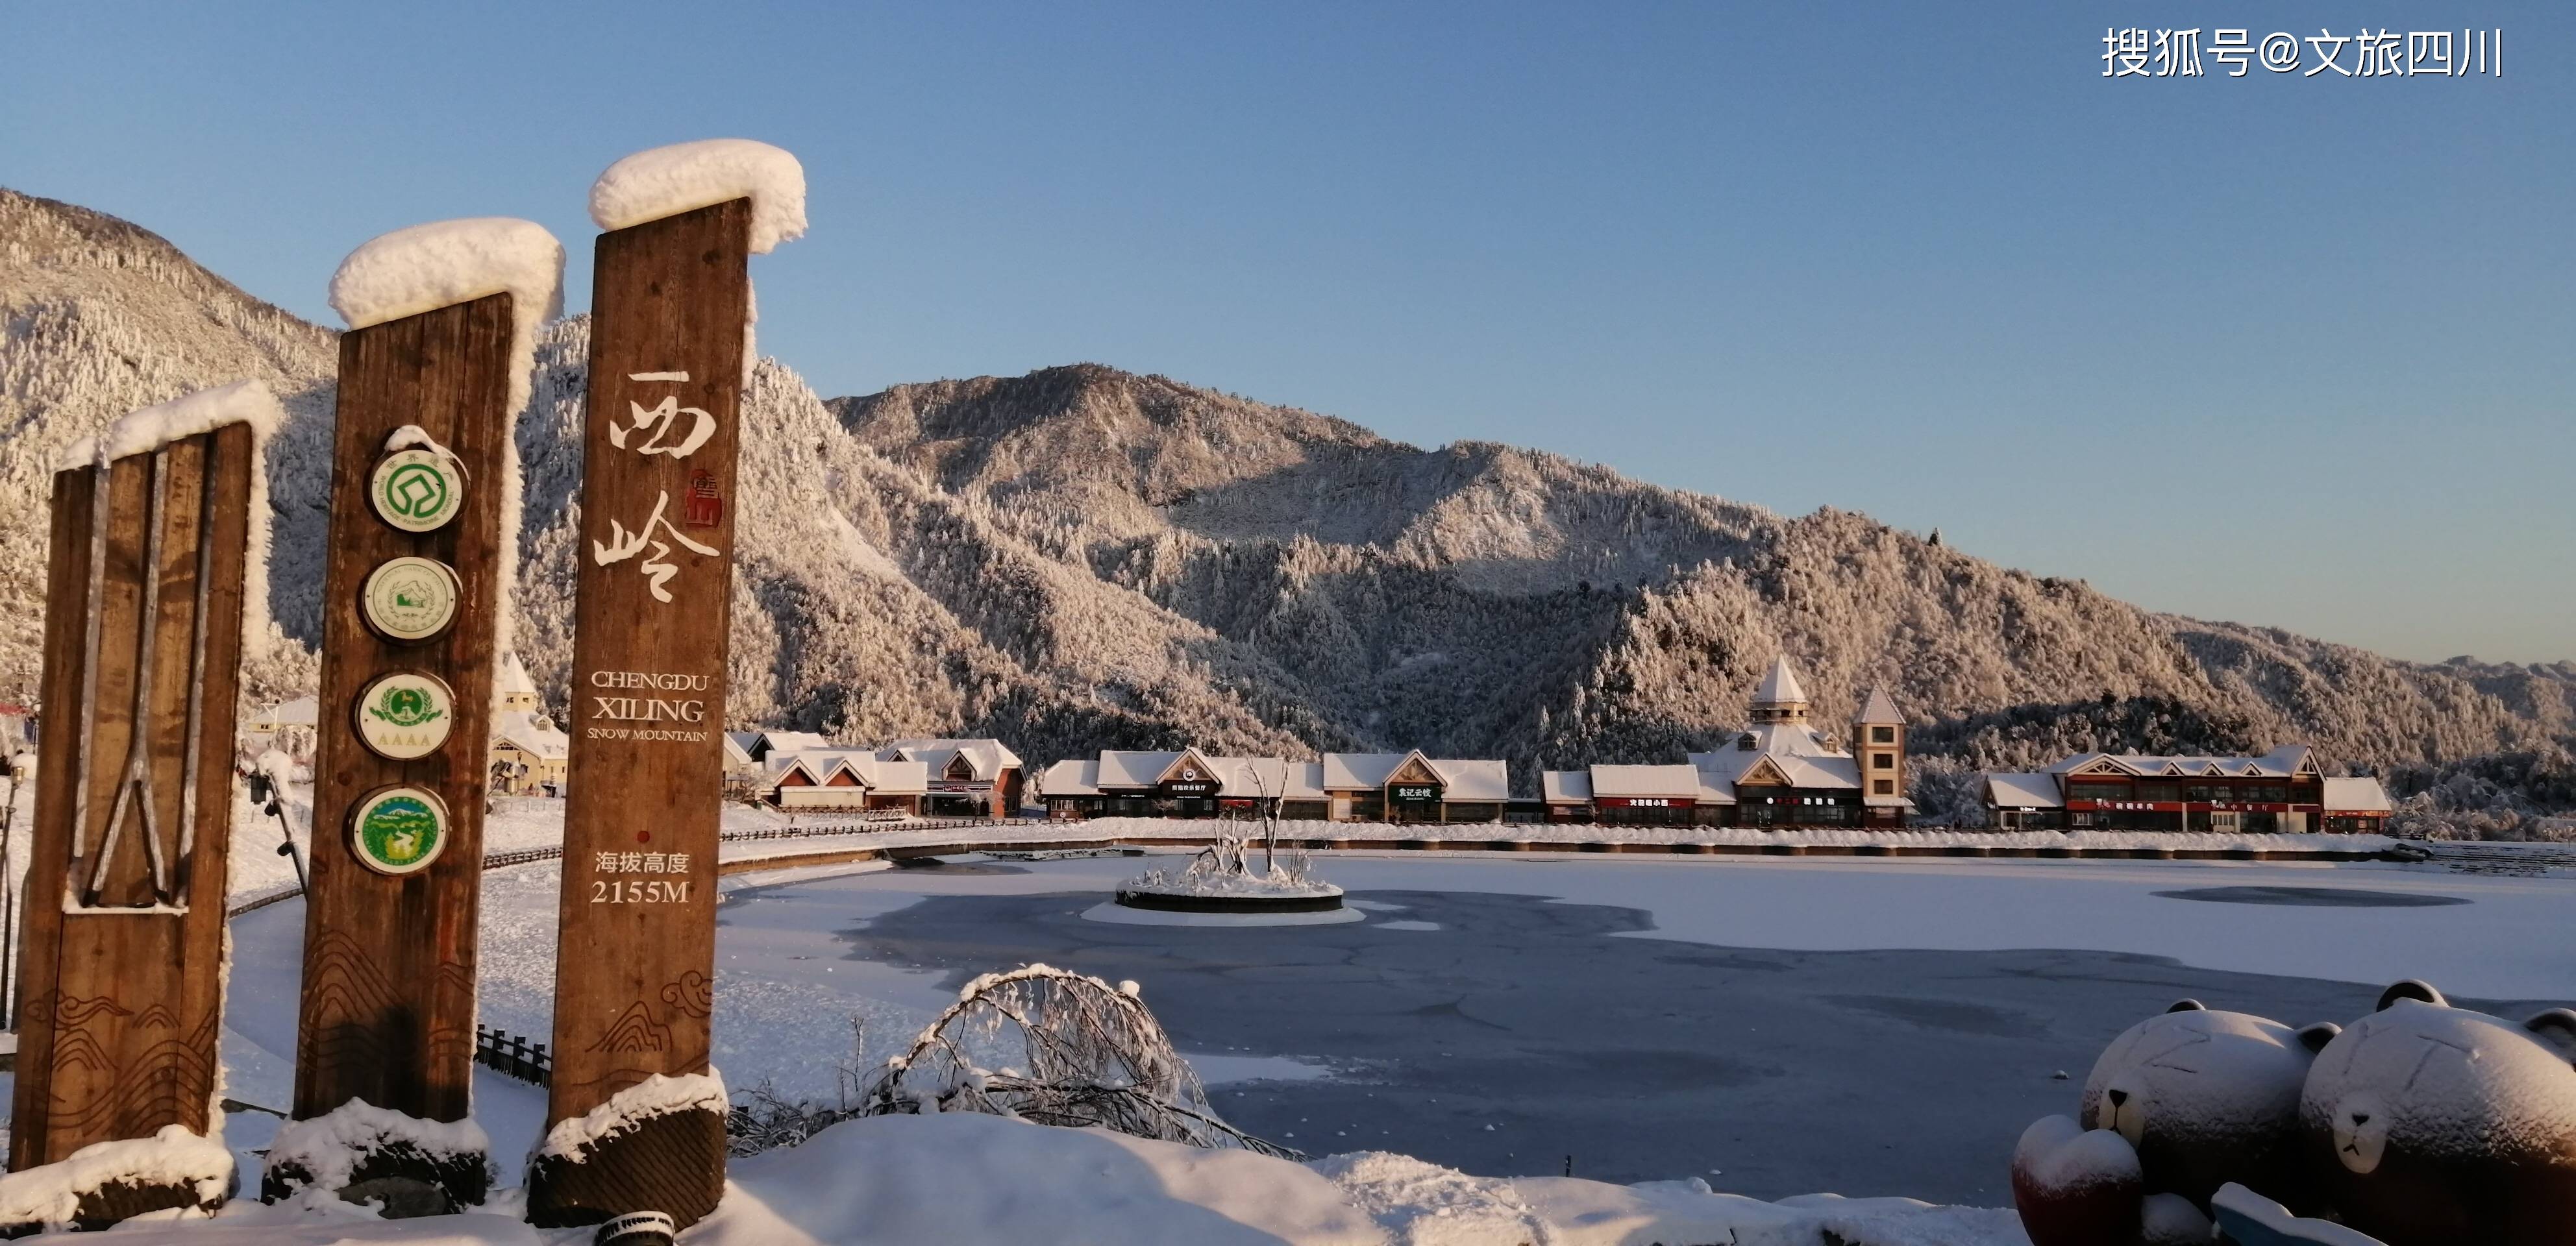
2289	350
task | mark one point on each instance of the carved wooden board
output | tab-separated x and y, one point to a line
124	927
635	967
388	1005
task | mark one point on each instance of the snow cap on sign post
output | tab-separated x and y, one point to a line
242	402
683	177
440	264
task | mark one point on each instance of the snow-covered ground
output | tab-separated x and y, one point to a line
792	986
985	1181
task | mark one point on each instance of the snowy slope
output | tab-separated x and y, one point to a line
1084	558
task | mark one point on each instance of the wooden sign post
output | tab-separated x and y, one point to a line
636	1123
124	928
411	591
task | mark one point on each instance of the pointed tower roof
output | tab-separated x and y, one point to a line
1879	709
513	676
1780	687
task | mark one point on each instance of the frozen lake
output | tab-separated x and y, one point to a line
1776	1026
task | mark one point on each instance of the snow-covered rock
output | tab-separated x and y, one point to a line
357	1146
186	1164
572	1138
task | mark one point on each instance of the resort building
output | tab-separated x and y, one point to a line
968	778
844	780
303	712
1781	770
1342	787
530	755
1409	787
2281	791
1185	784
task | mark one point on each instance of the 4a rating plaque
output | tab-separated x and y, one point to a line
405	714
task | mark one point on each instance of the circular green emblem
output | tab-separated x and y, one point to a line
406	715
411	598
417	490
396	830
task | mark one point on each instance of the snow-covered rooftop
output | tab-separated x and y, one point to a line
2282	762
1563	786
865	769
1879	709
513	677
1074	776
1679	782
988	758
2023	791
682	177
1461	779
2356	795
1780	686
531	733
299	712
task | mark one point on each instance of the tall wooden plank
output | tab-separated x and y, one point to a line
387	1013
635	968
124	932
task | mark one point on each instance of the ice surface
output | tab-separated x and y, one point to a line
666	181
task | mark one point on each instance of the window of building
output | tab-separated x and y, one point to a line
1744	742
2160	791
1882	735
1882	761
1883	787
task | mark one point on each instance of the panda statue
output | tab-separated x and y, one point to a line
2177	1106
2428	1125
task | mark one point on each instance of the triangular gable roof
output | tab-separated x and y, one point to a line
1764	772
1416	768
1186	760
990	756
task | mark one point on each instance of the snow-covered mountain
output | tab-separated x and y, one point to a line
1084	558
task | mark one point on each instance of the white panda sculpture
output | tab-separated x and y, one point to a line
2428	1125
